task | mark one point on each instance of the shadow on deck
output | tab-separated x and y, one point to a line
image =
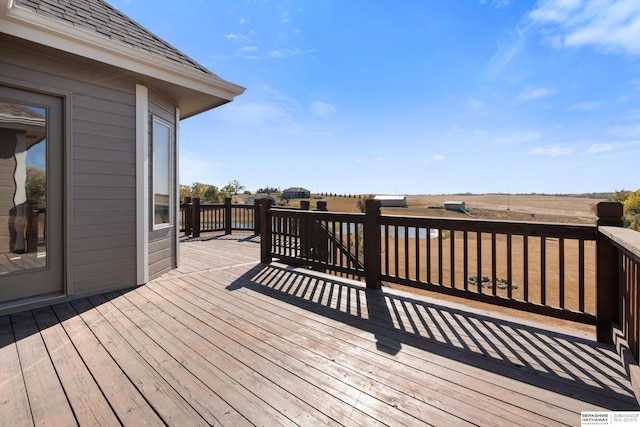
226	340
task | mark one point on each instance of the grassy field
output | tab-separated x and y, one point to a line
536	208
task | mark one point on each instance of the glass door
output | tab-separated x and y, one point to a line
31	250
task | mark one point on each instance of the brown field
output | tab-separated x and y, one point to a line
530	208
537	208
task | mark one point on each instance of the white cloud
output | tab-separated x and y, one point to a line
610	25
553	151
507	50
598	148
232	36
497	3
243	21
584	106
275	54
436	158
475	104
535	93
515	137
322	109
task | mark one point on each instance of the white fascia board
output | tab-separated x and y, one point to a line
30	26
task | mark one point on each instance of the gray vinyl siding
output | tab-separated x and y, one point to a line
103	215
7	185
162	257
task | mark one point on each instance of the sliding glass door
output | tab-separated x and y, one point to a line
31	194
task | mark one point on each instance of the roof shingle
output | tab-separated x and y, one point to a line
100	17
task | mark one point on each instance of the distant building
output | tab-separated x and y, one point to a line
392	201
251	200
296	193
455	206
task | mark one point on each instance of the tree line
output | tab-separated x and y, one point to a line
631	202
208	193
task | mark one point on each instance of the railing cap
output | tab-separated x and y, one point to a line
610	213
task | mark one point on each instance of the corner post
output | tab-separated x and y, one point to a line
196	217
265	230
228	221
188	216
607	280
372	244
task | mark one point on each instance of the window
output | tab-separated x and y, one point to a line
161	142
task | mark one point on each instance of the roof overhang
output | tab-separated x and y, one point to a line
194	91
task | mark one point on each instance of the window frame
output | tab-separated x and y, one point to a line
169	172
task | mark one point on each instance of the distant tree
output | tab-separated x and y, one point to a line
620	196
235	186
36	185
632	203
268	190
211	194
185	191
362	202
632	211
198	189
227	191
282	201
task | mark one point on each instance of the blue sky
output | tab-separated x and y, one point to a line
412	96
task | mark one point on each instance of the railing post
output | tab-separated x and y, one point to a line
321	205
256	217
372	244
265	230
303	231
228	221
32	225
196	217
188	216
607	280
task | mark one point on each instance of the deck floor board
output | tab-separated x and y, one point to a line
225	340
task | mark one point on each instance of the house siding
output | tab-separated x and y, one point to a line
102	136
7	185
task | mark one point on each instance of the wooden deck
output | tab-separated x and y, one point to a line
225	340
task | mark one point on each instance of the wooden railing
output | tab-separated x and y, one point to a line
196	218
618	310
540	268
550	269
325	241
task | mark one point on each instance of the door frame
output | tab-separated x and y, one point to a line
66	203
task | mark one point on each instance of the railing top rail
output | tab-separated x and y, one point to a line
625	239
575	231
222	205
337	216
